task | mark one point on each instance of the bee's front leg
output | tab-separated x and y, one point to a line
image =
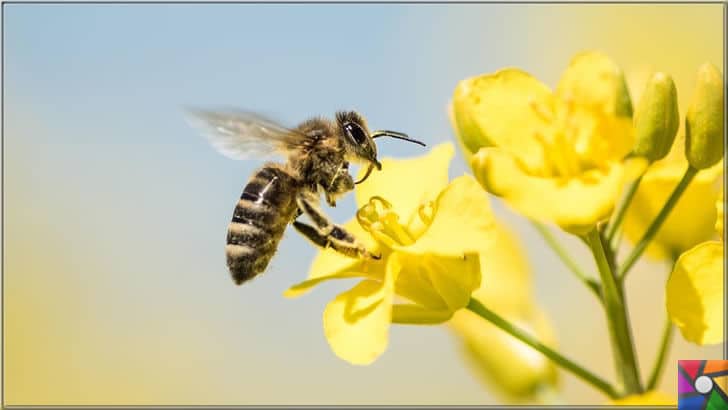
327	234
342	183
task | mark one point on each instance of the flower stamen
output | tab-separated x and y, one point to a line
426	212
377	218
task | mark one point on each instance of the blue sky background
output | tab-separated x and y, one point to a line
116	210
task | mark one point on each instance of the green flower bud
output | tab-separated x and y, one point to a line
657	119
704	120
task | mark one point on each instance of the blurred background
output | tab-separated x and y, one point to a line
115	211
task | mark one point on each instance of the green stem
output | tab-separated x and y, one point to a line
616	222
657	223
664	341
492	317
566	258
625	359
660	360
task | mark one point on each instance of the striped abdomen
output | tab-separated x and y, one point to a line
266	206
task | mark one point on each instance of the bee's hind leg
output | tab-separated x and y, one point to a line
327	234
338	240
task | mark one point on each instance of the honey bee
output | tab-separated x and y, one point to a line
318	153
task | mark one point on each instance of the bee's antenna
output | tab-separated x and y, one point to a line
395	134
369	171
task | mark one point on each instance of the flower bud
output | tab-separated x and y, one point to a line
704	120
657	119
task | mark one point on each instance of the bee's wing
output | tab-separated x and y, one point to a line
242	135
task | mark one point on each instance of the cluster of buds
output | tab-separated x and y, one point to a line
656	119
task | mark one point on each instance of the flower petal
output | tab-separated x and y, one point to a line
356	322
330	264
690	222
439	283
695	294
498	110
575	204
462	222
302	288
455	279
406	183
594	80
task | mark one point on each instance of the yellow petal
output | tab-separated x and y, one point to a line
455	279
302	288
652	397
414	283
690	222
594	80
408	314
503	109
330	264
575	204
406	183
438	283
356	322
458	134
462	221
695	294
515	370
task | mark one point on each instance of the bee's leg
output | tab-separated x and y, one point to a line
327	234
342	183
343	246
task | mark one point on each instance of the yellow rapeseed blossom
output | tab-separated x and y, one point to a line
692	219
652	397
554	156
429	233
511	368
695	290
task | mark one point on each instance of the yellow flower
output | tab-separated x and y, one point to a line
652	397
515	370
695	291
692	219
555	157
429	234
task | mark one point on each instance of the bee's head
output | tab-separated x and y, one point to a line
360	145
360	142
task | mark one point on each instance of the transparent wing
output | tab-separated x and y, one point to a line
242	135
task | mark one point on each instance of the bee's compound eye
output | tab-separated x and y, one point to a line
356	133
